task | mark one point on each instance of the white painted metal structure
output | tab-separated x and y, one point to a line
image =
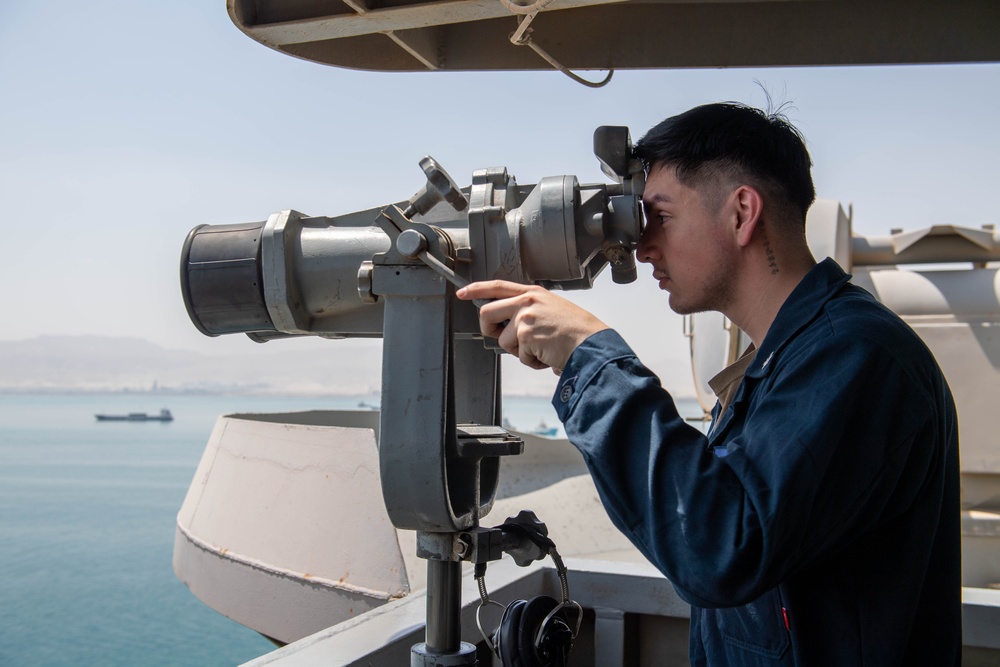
284	530
639	620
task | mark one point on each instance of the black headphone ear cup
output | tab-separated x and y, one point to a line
555	641
535	611
506	639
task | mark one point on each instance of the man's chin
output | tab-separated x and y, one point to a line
682	307
678	306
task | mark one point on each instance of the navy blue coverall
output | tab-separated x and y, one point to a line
818	521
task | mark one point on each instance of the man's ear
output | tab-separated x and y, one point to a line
747	208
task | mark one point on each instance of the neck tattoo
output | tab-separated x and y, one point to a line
769	251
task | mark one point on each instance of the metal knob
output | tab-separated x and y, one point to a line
440	186
443	183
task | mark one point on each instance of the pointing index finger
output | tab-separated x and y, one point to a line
491	289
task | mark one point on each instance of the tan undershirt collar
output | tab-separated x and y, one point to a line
728	380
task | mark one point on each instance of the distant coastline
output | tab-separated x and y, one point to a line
120	365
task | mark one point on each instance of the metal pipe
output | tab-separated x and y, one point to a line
444	606
933	245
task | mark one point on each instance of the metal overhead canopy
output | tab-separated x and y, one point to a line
464	35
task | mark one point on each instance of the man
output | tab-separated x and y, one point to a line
818	521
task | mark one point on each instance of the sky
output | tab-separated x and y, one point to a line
123	124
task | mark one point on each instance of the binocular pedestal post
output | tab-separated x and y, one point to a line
443	645
437	477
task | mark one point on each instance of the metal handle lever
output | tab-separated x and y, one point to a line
411	243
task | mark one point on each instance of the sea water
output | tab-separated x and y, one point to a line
87	518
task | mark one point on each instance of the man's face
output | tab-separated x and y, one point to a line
686	243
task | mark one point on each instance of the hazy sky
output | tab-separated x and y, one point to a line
123	124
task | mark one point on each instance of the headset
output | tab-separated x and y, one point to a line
536	632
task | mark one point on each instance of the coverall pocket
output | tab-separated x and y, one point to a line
758	627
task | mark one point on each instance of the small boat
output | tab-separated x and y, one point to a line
544	430
164	416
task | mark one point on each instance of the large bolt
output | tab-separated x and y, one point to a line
411	243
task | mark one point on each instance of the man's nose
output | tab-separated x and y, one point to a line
645	250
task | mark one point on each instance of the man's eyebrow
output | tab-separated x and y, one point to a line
657	198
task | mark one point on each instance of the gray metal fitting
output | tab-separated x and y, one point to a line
365	282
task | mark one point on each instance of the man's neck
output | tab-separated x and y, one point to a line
762	296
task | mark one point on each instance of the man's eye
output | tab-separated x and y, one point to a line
664	218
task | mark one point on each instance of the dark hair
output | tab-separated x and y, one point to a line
733	140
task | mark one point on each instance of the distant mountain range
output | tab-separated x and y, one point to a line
107	363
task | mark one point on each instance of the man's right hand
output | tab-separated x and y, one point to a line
538	327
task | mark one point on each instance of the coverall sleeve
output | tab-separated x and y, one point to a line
820	455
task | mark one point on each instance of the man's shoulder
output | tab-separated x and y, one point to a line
854	311
855	318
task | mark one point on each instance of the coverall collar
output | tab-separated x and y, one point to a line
801	307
